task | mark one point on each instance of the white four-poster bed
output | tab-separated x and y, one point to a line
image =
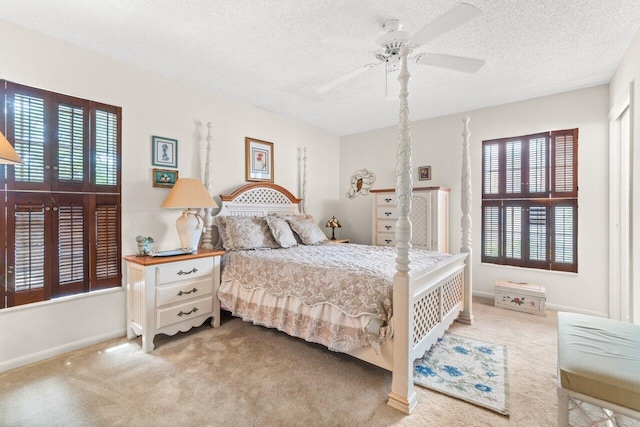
424	301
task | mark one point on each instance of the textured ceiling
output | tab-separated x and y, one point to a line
270	53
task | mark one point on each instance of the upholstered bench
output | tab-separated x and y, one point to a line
598	363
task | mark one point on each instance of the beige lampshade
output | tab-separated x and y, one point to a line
7	154
189	193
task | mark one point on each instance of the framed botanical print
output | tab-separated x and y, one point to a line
165	152
259	160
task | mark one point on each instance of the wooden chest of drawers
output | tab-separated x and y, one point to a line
429	218
172	294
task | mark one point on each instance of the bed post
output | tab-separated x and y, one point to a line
305	178
403	396
467	315
207	238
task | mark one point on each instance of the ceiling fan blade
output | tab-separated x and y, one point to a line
457	16
346	77
351	42
457	63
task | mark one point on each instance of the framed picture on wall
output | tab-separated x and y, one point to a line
164	178
424	173
259	160
164	152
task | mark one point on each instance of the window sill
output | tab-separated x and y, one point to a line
532	270
62	300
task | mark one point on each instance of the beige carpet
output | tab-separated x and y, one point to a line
245	375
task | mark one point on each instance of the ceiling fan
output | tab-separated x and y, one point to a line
386	48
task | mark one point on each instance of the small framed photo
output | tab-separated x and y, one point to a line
259	160
165	152
164	178
424	173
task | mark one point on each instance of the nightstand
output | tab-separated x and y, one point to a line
167	295
339	241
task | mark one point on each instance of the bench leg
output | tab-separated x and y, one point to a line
563	408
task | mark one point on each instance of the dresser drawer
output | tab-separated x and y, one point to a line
169	316
386	226
171	294
385	239
184	270
386	200
390	212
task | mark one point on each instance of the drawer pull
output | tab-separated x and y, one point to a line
193	310
387	213
180	273
194	290
388	227
387	200
387	240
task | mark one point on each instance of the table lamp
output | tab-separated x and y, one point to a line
333	223
189	194
8	155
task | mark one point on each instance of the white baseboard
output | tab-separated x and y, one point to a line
56	351
550	306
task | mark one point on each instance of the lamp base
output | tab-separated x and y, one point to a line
189	226
333	234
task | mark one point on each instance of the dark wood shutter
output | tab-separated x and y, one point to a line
529	200
106	265
71	154
26	255
27	129
491	231
60	209
106	147
564	244
564	166
71	240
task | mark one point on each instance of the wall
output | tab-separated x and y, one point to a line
628	74
438	143
151	105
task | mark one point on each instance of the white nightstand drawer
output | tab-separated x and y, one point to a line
188	310
386	199
184	291
386	226
385	239
387	212
184	270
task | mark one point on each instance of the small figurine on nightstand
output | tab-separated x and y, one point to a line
144	245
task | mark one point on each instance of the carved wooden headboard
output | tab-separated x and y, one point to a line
259	199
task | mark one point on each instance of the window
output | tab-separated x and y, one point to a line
530	201
60	208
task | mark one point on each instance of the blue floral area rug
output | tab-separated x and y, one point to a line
470	370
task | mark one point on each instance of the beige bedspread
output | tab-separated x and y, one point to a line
353	279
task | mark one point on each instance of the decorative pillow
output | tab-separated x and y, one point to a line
221	223
308	230
281	231
243	232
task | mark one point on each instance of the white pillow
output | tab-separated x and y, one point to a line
308	231
281	232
